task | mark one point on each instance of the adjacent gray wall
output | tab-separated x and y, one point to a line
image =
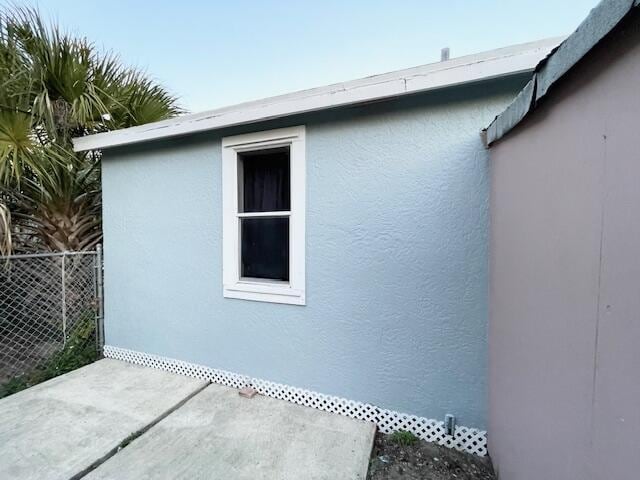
564	336
397	224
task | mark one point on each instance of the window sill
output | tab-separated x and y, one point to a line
264	292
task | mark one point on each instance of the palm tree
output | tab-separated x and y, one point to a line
54	87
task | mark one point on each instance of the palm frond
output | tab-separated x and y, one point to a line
59	205
54	86
16	144
143	101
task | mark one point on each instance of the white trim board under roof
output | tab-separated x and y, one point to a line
457	71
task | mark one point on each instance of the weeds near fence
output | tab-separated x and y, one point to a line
404	438
79	351
50	308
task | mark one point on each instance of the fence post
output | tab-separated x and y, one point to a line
99	300
64	299
43	296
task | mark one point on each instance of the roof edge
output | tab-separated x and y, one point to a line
483	66
602	19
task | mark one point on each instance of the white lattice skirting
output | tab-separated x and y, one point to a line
465	439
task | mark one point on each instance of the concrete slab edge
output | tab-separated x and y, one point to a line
130	438
470	440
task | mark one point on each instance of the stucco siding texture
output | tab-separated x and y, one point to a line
396	256
564	329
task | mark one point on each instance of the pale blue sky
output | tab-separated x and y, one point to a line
214	53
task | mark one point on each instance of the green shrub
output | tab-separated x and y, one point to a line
402	437
79	350
14	385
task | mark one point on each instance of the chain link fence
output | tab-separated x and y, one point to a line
50	316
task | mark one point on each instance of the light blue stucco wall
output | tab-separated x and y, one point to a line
396	261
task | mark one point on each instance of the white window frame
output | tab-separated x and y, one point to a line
293	291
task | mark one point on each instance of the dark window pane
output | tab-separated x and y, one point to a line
264	184
265	248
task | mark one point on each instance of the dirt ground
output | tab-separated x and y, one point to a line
424	461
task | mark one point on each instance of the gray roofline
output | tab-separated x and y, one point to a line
601	20
483	66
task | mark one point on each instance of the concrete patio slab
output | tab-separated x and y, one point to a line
59	428
219	434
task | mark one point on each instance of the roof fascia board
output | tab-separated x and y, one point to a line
459	71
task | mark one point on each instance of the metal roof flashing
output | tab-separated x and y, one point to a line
600	22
